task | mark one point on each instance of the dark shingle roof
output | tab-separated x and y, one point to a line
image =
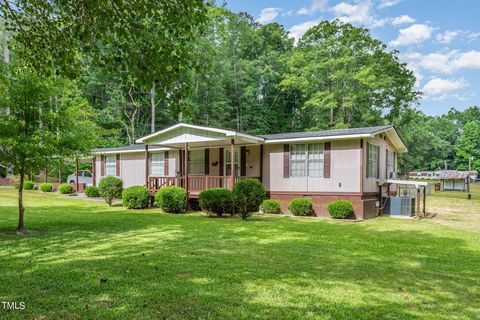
277	136
324	133
132	147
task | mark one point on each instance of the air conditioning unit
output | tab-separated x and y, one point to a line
400	206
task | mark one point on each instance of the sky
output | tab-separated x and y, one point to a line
439	40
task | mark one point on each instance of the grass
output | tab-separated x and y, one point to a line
474	190
85	260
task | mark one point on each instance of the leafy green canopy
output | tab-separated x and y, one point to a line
345	78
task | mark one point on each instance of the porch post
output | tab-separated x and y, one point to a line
147	171
424	199
418	201
185	170
76	175
94	171
232	163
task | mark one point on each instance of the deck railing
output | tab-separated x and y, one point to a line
195	183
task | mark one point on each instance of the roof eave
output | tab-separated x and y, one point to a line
337	137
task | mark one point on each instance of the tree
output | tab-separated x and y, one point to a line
424	145
467	147
37	128
147	43
343	77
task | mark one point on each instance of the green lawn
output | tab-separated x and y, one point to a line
85	260
474	190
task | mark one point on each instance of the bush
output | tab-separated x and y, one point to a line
28	185
340	209
217	201
110	188
46	187
65	188
135	197
92	192
271	206
248	194
301	207
171	199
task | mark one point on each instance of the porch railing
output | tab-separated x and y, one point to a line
195	183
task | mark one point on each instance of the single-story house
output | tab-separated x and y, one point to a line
454	181
320	165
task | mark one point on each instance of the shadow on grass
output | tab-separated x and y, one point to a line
109	263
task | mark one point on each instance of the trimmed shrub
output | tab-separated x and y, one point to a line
301	207
92	192
46	187
271	206
340	209
217	201
65	188
135	197
172	199
248	194
110	188
28	185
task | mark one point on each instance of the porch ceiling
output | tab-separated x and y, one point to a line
197	136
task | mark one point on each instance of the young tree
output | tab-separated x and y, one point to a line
38	129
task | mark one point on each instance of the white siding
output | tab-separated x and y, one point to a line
370	184
132	169
344	174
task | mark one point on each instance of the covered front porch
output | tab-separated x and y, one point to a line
198	158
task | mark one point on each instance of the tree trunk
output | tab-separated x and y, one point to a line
152	106
21	209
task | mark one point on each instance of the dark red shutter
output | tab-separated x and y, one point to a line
102	165
286	160
117	166
165	164
261	163
207	162
327	159
181	162
220	160
243	161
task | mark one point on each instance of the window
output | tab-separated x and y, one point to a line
306	160
372	158
157	164
111	165
196	162
228	162
87	174
390	163
298	158
315	160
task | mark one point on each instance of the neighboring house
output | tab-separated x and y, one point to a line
320	165
454	181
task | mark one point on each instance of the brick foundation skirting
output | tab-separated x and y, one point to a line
5	182
363	204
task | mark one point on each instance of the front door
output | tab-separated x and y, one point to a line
228	161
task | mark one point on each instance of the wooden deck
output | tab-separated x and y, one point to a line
196	184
